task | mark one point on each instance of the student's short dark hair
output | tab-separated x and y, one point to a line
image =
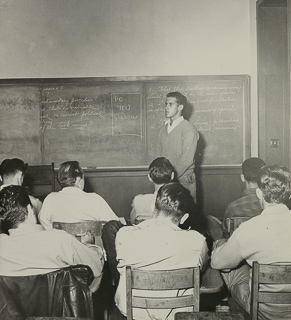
174	200
275	183
13	206
68	173
160	170
10	167
251	168
181	99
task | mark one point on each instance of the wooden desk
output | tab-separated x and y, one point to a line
208	316
211	281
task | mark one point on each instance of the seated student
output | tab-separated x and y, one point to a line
246	206
31	250
161	171
72	204
155	244
265	238
12	172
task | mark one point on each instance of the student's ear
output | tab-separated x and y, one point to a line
184	218
259	193
180	107
242	177
80	182
172	175
151	180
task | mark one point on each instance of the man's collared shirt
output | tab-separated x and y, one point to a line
72	204
265	238
246	206
156	245
31	250
172	125
142	207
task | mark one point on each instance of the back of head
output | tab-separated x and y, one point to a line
160	170
275	183
173	200
13	206
180	98
68	173
251	168
10	167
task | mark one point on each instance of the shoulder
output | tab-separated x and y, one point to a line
144	197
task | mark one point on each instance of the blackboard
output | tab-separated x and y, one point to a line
113	122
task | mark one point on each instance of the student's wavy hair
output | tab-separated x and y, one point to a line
10	167
13	206
68	173
275	183
160	170
181	99
174	200
251	168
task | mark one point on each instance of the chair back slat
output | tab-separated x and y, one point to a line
234	222
162	280
277	297
162	303
273	274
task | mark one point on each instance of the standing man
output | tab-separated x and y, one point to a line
177	141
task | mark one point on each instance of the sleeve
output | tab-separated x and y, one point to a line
91	256
104	211
228	255
204	257
227	214
45	214
133	213
158	151
188	151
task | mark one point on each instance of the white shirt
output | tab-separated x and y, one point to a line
72	204
156	245
171	127
31	250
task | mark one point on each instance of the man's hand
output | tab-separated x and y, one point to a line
87	238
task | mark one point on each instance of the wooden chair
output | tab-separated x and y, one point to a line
40	180
234	222
77	229
162	280
57	318
269	274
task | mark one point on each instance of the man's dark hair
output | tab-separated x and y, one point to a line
275	183
10	167
174	200
251	168
68	173
160	170
181	99
13	206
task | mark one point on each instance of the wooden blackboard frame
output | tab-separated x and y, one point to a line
244	79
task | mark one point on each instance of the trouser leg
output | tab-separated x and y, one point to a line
188	180
109	232
237	281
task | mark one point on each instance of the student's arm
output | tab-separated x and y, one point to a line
133	213
44	216
189	148
228	255
104	212
92	256
204	257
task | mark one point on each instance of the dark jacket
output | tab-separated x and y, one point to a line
62	293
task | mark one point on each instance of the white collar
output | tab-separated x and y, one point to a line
175	122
